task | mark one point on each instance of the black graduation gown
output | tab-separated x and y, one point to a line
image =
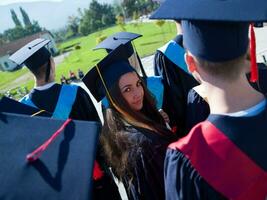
238	146
177	84
197	110
82	109
149	154
261	84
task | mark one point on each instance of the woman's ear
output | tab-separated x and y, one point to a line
191	64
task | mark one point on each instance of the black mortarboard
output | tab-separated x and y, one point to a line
123	38
12	106
215	30
63	171
115	40
108	70
33	55
213	10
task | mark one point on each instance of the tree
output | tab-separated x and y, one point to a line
25	16
96	17
129	6
15	33
2	39
33	28
120	22
15	18
19	31
73	25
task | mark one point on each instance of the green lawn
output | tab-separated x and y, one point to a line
84	58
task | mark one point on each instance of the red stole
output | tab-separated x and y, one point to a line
222	164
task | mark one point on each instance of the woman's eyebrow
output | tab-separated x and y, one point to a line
128	85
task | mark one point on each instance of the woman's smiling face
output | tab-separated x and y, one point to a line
132	90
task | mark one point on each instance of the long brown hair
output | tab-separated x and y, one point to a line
115	142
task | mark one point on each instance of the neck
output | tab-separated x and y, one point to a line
178	28
231	96
41	82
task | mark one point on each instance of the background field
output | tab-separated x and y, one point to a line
85	58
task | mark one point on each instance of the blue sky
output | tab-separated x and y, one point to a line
6	2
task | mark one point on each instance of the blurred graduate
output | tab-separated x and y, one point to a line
170	64
224	156
62	101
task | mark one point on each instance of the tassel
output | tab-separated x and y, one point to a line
97	172
253	63
31	157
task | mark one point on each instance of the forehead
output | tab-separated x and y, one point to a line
128	79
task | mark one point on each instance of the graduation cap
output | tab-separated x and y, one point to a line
62	171
123	38
12	106
215	30
33	55
115	40
107	72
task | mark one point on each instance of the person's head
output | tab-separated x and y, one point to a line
41	72
132	91
217	39
115	79
37	59
217	49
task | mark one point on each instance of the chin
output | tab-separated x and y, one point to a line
137	108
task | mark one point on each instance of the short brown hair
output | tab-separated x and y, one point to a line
228	70
40	72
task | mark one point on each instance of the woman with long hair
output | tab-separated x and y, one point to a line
134	136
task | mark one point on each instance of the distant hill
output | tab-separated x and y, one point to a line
51	15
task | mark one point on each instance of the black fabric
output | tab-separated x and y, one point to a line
148	156
63	171
82	109
182	181
11	106
261	84
177	84
247	133
197	110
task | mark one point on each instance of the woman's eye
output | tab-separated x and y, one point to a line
127	90
139	83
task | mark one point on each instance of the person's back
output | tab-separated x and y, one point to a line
222	157
169	63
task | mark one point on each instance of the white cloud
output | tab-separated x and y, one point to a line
6	2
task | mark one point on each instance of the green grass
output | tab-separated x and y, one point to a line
85	58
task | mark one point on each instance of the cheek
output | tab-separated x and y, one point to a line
142	92
128	97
